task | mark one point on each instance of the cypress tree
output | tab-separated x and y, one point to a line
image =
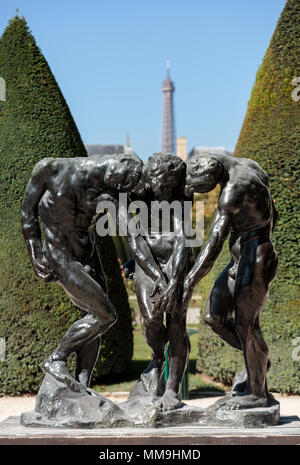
35	122
270	135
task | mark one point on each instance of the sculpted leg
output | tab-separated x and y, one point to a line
154	333
88	295
87	356
250	298
219	309
179	350
155	336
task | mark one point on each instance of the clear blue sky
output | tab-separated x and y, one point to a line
109	60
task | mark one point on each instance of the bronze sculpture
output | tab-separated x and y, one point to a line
64	193
247	211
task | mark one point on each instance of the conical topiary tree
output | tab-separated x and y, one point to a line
35	122
271	135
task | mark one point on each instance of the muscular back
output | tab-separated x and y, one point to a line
246	197
68	204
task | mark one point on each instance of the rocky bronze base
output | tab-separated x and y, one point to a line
221	413
59	407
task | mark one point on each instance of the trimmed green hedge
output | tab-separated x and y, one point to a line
35	122
117	345
271	136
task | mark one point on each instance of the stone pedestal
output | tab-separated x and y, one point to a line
287	432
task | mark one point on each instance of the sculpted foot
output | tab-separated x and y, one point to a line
169	401
243	401
60	371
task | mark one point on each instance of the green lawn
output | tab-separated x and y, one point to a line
140	360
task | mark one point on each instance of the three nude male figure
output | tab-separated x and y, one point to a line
64	194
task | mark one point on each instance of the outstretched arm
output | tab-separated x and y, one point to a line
218	232
30	220
142	255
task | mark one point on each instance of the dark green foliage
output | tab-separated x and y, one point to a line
121	247
35	122
271	133
120	335
271	136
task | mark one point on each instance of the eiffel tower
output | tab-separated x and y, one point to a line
168	131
